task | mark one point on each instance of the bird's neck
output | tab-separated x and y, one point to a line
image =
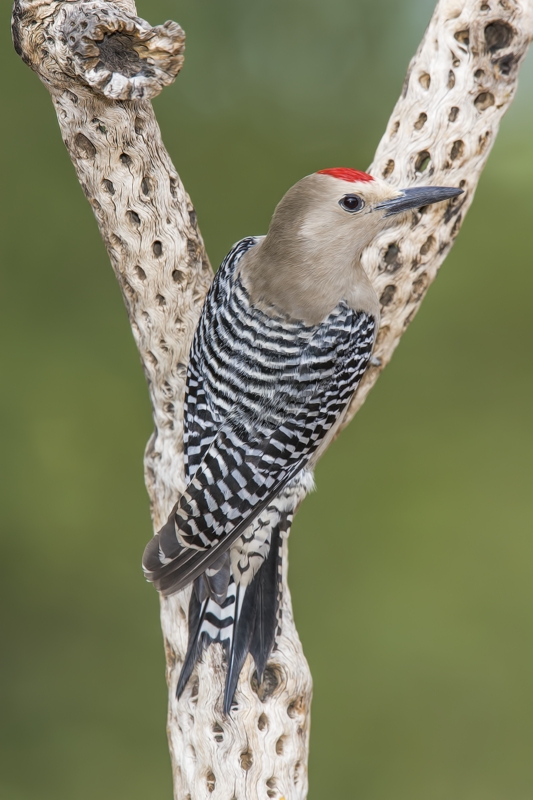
307	279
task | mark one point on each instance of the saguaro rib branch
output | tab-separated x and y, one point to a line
101	65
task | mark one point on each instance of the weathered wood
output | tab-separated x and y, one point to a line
459	84
101	65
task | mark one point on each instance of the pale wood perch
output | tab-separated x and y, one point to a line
101	65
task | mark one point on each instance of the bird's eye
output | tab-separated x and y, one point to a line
352	203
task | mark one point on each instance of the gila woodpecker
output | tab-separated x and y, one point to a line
284	338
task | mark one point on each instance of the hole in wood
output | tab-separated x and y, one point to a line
463	37
389	168
262	722
83	146
157	247
118	54
392	258
425	80
134	218
211	781
246	760
160	300
177	276
280	745
451	79
117	243
271	680
421	121
484	101
419	287
483	141
108	186
454	113
387	296
457	150
297	707
506	64
141	274
192	249
146	186
422	161
498	35
427	246
452	208
126	159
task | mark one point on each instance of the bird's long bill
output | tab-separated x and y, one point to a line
417	197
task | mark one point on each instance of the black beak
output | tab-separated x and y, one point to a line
416	197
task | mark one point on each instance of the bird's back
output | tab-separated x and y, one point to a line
263	392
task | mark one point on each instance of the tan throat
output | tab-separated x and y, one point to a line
304	283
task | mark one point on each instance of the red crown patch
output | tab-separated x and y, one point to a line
346	174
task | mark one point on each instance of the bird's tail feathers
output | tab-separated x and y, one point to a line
245	621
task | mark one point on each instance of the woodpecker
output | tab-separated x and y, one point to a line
284	338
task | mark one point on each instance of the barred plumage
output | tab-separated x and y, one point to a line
284	338
262	393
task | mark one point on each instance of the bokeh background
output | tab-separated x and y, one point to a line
411	567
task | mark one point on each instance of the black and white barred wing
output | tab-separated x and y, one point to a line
214	387
254	456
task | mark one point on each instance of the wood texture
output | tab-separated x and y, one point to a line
101	65
458	86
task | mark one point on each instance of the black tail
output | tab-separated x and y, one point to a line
246	620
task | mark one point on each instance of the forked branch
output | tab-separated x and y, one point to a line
101	65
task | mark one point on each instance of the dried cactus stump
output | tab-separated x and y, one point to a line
101	65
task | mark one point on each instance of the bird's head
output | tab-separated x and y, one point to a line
310	258
346	206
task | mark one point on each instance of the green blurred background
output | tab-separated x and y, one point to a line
411	567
